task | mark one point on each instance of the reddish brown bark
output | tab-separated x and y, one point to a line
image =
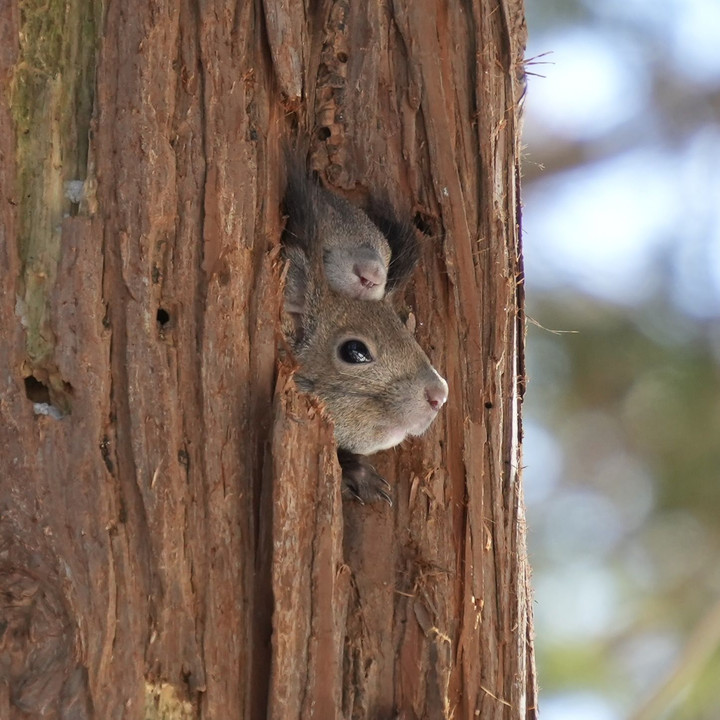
175	545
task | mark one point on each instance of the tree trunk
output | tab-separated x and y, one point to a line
173	542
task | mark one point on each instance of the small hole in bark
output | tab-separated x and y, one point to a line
223	274
342	57
36	391
488	405
323	133
105	452
163	317
424	224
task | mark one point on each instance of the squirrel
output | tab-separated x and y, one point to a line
357	356
365	255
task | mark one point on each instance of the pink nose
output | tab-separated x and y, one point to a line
370	272
436	394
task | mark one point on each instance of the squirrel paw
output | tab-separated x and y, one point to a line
361	481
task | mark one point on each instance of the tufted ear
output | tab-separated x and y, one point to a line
402	239
302	246
299	204
297	282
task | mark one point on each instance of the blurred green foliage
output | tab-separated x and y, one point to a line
633	397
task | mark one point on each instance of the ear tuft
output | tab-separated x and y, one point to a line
302	246
403	242
299	205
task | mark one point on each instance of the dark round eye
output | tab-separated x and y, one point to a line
354	351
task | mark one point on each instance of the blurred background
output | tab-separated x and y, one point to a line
621	232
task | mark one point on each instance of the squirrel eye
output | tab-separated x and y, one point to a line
354	351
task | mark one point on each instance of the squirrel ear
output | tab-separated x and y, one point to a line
302	246
296	281
403	242
303	295
298	204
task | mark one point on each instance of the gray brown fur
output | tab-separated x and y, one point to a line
375	404
364	258
401	237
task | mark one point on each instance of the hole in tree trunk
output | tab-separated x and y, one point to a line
425	224
36	391
163	317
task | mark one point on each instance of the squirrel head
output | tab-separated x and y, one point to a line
357	356
376	381
356	254
365	255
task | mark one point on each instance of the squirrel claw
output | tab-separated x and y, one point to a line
384	496
361	481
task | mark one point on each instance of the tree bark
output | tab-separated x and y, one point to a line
173	543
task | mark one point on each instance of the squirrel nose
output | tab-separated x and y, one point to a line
370	272
437	393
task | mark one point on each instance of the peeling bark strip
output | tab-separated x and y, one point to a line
172	538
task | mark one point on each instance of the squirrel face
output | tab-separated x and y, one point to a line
364	255
376	381
356	355
356	254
